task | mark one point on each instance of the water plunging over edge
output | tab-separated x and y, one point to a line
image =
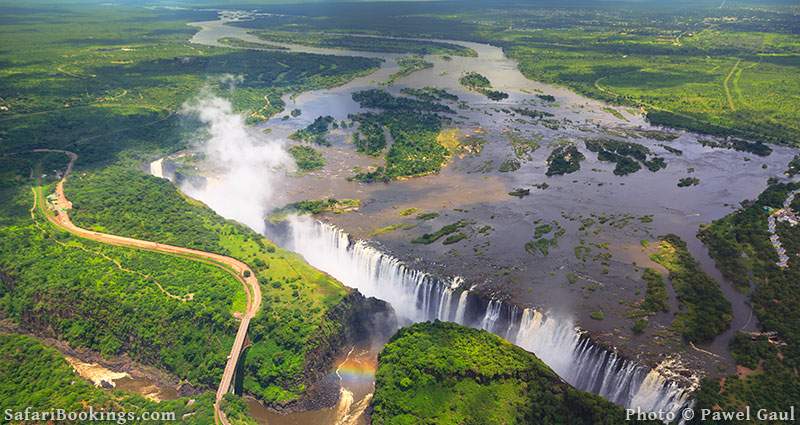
418	296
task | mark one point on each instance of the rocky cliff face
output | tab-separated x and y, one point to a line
477	377
356	321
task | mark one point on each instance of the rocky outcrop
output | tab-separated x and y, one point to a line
356	321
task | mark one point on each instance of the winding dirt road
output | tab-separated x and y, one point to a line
240	270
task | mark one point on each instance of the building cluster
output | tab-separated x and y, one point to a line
785	214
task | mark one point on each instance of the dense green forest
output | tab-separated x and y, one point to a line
655	298
740	245
443	373
296	296
704	312
101	81
236	410
162	310
38	377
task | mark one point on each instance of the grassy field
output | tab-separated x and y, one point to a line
713	81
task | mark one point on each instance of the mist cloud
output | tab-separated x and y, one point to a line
244	164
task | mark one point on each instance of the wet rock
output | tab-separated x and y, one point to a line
362	321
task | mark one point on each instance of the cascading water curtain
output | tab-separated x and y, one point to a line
418	296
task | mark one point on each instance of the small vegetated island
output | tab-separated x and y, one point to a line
316	131
451	231
238	42
628	157
415	126
688	181
565	158
756	148
443	373
481	84
409	65
430	94
545	236
313	207
793	168
307	158
704	312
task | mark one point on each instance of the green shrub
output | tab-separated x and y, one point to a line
307	158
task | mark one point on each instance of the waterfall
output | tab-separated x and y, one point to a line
462	307
444	305
491	316
418	296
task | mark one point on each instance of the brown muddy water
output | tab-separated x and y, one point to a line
355	373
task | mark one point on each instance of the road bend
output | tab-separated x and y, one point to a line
240	270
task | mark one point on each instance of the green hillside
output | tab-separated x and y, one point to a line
443	373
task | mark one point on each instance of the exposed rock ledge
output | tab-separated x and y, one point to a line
356	320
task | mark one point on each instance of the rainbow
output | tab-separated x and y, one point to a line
357	369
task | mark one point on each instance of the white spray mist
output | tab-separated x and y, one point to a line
245	164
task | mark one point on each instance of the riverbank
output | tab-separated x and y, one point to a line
120	372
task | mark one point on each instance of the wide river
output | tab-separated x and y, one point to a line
624	211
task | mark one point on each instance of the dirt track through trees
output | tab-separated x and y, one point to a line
61	206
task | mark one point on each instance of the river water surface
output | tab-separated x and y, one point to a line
624	211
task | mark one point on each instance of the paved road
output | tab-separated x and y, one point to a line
234	266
